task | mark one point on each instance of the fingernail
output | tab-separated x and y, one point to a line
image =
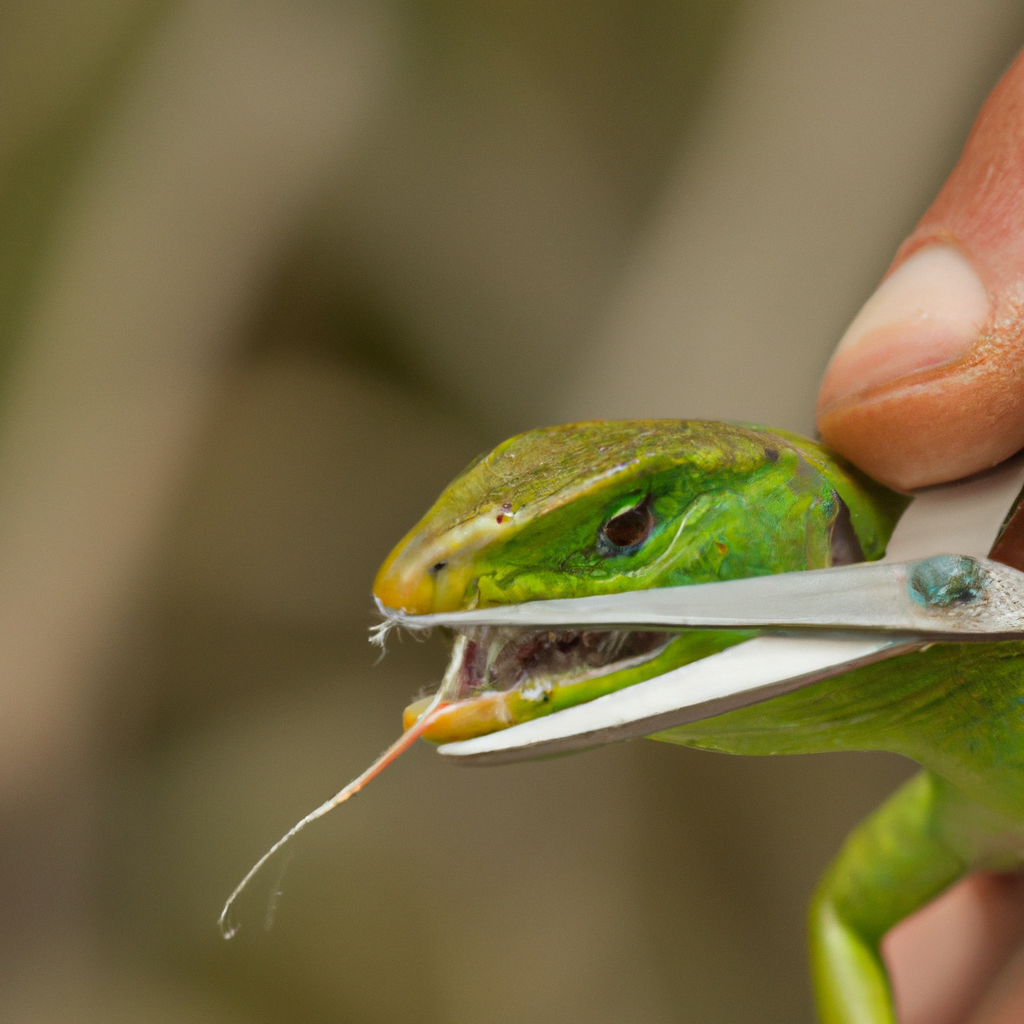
929	312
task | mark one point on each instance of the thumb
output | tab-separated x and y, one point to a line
927	384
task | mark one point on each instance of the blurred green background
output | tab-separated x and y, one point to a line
270	274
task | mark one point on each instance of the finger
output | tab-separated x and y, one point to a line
942	959
927	384
1003	1003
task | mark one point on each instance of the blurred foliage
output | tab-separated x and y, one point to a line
60	67
628	75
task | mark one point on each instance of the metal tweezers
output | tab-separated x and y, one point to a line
952	572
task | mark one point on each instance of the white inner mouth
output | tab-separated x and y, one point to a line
498	658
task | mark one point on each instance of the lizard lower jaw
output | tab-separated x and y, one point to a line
507	675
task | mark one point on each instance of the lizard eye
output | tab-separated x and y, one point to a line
629	529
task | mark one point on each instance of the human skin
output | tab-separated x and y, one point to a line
926	386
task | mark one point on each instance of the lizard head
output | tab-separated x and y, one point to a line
603	507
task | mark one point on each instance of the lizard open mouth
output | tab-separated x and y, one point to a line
496	659
503	676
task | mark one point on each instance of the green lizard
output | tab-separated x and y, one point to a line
604	507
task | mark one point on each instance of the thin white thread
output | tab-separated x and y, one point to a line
275	894
405	740
379	633
447	692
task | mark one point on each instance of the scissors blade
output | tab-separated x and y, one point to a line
965	516
949	597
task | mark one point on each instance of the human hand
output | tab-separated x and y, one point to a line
927	385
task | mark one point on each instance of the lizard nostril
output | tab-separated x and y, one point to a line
436	568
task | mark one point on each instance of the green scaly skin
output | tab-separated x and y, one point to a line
525	522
